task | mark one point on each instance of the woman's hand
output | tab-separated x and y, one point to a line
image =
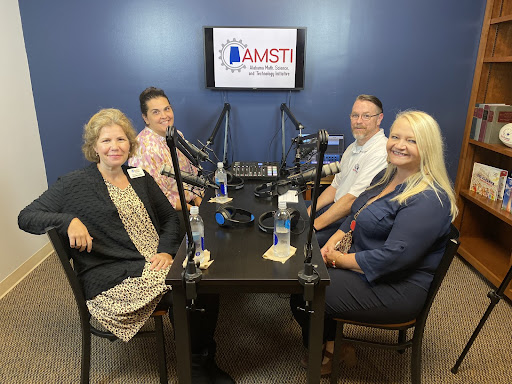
329	255
160	261
197	201
327	248
79	237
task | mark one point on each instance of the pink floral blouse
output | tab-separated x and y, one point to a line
153	152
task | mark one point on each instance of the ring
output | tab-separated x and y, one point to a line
333	263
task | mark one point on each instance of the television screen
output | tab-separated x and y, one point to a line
254	58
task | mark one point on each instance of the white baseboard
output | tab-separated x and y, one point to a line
24	269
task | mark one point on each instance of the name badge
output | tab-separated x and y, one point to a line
135	172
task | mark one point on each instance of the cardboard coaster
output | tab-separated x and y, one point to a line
214	200
269	255
206	261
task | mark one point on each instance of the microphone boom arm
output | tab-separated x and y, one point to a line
191	275
289	113
308	277
184	148
284	109
323	138
227	108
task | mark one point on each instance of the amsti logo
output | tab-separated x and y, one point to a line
234	54
230	55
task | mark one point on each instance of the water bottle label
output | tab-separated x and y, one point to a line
287	224
223	188
275	239
202	243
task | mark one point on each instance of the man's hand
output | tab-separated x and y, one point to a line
160	261
79	237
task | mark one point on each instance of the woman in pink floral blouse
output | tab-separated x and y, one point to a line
153	151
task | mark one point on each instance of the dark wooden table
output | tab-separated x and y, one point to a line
239	266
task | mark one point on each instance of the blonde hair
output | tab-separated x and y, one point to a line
432	173
105	118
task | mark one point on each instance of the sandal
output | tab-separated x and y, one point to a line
326	367
348	356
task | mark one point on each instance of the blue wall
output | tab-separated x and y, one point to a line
85	55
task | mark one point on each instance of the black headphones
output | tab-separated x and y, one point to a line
294	214
235	181
225	217
274	188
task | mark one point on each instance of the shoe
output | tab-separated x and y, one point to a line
217	375
198	373
348	356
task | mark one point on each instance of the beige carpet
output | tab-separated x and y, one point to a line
258	341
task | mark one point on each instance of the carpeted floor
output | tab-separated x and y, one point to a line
258	341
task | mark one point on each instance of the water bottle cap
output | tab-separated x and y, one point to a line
281	205
194	210
220	164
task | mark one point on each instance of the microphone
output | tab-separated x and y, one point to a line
196	152
304	177
196	181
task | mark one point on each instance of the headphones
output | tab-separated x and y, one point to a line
235	181
225	217
274	188
294	214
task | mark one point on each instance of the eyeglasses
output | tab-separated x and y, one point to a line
365	117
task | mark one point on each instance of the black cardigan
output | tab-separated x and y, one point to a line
83	194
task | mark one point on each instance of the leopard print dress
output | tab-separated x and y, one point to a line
125	308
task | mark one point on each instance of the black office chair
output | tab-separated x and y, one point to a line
419	323
62	250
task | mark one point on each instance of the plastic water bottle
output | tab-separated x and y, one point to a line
281	231
221	179
197	226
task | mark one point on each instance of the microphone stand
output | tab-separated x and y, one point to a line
191	275
495	297
225	110
284	109
308	277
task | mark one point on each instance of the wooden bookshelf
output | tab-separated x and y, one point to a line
486	230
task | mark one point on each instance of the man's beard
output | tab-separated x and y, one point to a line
359	135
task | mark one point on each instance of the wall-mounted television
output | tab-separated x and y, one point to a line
254	58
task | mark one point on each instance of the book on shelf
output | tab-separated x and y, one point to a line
507	200
487	113
497	117
488	181
477	121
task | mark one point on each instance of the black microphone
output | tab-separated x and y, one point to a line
196	152
196	181
304	177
